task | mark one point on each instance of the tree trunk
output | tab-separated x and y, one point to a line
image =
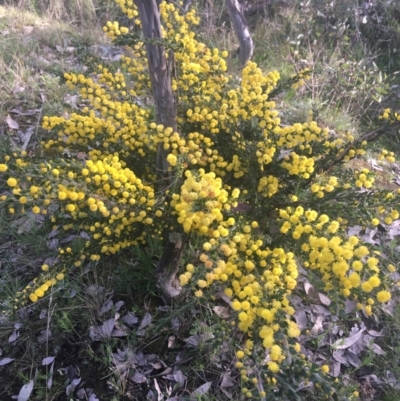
242	31
160	70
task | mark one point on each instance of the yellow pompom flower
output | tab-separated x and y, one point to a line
70	207
235	193
383	296
207	246
293	330
239	354
12	182
183	279
374	281
202	283
357	265
366	286
33	297
325	368
273	366
171	159
236	305
275	352
60	276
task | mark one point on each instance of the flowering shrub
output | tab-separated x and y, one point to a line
260	196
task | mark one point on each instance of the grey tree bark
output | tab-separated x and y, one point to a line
160	69
242	31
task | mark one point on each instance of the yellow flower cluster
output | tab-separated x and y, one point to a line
268	186
259	281
201	202
301	76
356	152
364	179
343	262
105	199
112	29
128	8
122	129
299	165
385	215
41	290
390	115
325	184
386	155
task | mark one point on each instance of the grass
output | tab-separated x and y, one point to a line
36	48
36	51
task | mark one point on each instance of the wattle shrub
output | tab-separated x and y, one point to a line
259	195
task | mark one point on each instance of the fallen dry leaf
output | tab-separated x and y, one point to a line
311	291
102	332
222	311
72	386
377	349
106	306
147	318
5	361
27	137
139	377
324	299
15	334
226	383
130	319
344	343
368	236
26	391
353	359
301	317
394	229
48	360
320	310
339	356
203	389
45	335
318	325
11	123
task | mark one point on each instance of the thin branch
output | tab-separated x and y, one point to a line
369	137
